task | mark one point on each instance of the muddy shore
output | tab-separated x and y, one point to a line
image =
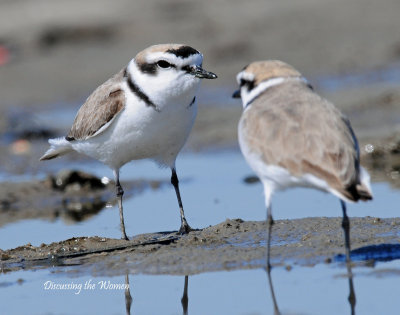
233	244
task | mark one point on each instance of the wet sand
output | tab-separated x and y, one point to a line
233	244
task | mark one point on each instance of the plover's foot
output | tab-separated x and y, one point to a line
185	229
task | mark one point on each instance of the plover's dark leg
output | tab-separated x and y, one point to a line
185	298
346	230
185	228
120	193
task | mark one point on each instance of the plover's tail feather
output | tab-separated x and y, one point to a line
364	187
360	190
58	146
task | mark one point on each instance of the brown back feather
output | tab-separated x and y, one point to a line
291	126
102	105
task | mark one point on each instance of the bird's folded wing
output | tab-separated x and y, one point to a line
97	113
306	135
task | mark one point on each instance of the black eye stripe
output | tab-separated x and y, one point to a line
249	84
149	68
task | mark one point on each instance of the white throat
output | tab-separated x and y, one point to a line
248	97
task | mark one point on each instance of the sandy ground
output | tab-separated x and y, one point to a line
58	52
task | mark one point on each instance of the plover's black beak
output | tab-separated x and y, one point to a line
236	94
199	72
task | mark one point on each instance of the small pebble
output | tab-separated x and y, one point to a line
5	256
377	220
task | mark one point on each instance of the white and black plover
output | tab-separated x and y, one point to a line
145	111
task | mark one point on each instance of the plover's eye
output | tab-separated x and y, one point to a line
163	64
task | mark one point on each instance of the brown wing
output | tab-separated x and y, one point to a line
294	128
101	107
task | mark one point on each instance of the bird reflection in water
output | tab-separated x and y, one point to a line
271	289
185	298
128	297
351	297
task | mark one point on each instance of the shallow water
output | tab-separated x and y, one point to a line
388	75
318	290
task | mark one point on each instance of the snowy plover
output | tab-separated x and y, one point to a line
292	137
146	110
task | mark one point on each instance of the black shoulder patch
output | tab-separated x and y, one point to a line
139	93
183	51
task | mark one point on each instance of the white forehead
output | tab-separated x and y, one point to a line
158	55
243	75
